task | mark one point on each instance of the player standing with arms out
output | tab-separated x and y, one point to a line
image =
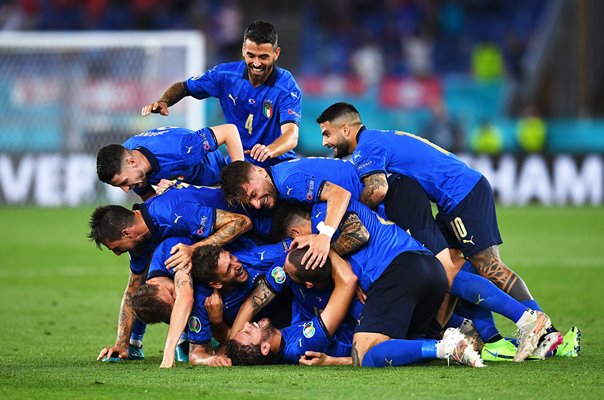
261	99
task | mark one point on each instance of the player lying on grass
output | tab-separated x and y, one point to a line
261	343
168	153
196	212
221	288
464	198
389	245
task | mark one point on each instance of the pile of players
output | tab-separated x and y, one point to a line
346	257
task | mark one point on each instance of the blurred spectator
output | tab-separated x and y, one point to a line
487	62
531	131
418	52
227	34
444	130
368	61
487	139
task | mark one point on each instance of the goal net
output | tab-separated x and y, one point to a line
65	95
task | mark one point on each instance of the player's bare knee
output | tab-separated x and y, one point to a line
362	342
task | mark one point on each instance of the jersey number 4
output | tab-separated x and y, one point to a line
248	123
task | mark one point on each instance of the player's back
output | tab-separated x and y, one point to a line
445	178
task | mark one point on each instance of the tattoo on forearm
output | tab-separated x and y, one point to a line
354	235
261	296
355	355
173	94
372	184
232	225
184	281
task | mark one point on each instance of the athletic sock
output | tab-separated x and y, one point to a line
398	352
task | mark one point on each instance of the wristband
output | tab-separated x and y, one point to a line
325	229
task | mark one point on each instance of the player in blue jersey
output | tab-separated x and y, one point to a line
464	198
196	212
263	100
387	243
307	180
168	153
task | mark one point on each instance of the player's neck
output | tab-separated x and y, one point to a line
140	226
275	340
142	161
255	82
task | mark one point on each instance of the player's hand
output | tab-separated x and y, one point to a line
180	259
259	152
213	305
361	295
164	185
159	107
300	241
313	358
121	351
218	361
168	360
318	250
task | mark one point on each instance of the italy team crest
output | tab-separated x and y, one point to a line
267	108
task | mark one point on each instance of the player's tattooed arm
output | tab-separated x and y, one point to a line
174	94
201	354
376	187
260	297
353	235
228	226
355	355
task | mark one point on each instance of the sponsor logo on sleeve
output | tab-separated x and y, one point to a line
278	275
308	330
202	225
310	189
194	324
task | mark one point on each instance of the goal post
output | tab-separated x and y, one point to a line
64	95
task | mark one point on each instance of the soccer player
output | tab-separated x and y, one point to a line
466	209
307	180
261	99
390	246
196	212
168	153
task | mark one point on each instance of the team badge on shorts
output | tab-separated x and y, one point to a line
194	324
308	330
278	275
267	108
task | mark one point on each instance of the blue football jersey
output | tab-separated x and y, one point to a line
259	111
256	260
310	336
157	266
446	179
303	179
179	153
183	211
387	240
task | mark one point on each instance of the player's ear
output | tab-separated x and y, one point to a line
277	52
131	161
265	348
127	233
293	232
309	285
215	285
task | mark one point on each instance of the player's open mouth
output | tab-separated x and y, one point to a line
256	70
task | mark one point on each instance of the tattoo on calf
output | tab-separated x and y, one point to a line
355	355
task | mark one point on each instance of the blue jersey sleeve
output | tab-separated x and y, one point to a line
290	106
308	336
139	262
369	160
277	280
198	327
193	219
300	187
195	146
204	86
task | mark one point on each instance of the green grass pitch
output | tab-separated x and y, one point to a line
59	299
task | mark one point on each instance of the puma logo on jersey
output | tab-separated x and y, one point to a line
289	190
189	149
261	254
177	218
471	240
318	213
233	98
479	300
389	362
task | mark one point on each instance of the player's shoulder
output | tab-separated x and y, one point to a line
229	68
286	80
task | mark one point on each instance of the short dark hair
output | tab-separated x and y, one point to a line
285	215
317	275
232	179
248	354
261	32
338	110
109	161
148	307
204	262
107	222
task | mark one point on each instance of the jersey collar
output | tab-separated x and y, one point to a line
144	209
272	78
363	128
150	156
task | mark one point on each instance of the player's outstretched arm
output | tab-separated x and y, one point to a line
353	235
229	135
260	298
201	354
315	358
337	199
345	288
125	320
171	96
183	285
228	226
375	189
